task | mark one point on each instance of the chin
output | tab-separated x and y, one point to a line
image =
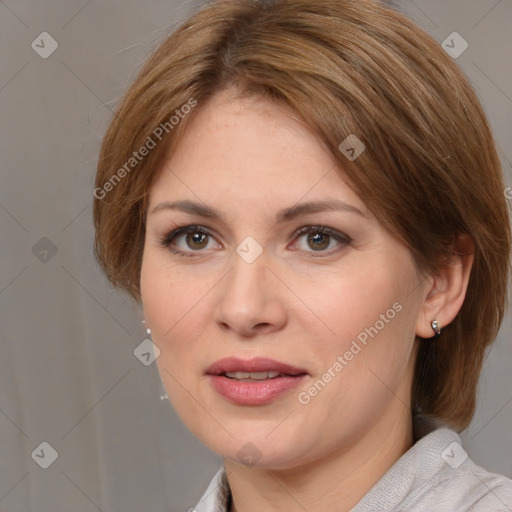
255	449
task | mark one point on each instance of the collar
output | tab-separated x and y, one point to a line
397	484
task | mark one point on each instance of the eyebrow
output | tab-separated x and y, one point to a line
284	215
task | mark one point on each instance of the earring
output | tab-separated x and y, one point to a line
163	392
437	328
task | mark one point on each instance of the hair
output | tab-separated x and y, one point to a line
429	172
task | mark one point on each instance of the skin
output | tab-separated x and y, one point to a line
300	302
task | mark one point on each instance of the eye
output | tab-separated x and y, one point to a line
320	239
189	239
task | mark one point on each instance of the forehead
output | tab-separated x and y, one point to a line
251	150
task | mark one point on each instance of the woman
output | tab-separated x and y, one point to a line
306	199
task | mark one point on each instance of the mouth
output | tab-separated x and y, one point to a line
254	376
259	368
256	381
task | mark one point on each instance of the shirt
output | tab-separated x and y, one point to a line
435	475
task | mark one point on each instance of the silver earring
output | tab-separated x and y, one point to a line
163	392
436	328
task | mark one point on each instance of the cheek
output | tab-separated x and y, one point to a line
173	309
165	293
174	301
366	364
156	293
345	304
367	316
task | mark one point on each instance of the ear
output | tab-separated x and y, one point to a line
448	288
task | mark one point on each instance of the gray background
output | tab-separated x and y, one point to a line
68	375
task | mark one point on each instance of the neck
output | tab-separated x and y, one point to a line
337	481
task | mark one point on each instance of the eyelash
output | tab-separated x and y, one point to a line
194	229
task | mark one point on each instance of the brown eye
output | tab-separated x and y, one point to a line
318	241
197	241
190	241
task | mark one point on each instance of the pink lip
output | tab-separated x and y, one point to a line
257	364
253	393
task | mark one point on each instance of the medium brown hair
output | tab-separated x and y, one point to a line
430	170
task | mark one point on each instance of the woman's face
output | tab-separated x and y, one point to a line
259	258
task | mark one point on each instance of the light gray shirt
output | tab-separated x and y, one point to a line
435	475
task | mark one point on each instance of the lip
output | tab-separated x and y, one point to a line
254	393
256	364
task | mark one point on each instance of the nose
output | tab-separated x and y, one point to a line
251	299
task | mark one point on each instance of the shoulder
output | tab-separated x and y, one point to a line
470	487
437	474
452	481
